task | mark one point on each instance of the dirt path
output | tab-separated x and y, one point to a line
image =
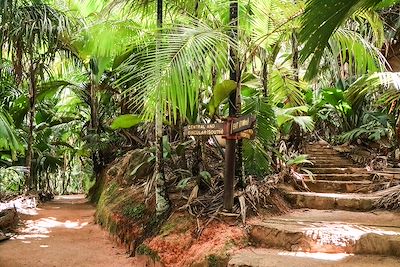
62	233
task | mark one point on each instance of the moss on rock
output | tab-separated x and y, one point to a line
142	249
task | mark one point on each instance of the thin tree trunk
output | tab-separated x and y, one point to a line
265	74
49	189
94	122
93	106
182	157
64	174
236	99
29	181
295	55
398	128
162	200
297	131
230	155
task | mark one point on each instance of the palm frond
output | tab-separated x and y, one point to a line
257	156
172	71
266	16
320	20
285	89
8	136
290	115
361	54
369	84
375	24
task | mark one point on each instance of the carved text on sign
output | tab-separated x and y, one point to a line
205	129
243	123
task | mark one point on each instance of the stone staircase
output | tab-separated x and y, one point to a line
336	183
330	224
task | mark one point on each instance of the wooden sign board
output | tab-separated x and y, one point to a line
205	129
247	134
243	123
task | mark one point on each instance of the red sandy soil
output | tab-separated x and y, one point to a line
183	249
63	233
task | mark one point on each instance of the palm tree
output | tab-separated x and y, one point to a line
233	158
164	74
162	200
31	32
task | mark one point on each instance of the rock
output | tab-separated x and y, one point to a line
131	167
3	236
322	142
373	243
8	218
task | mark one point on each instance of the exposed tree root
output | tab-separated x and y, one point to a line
390	201
257	195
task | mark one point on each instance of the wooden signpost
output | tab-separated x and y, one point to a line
242	123
205	129
232	129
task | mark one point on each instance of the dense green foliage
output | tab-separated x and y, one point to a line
82	82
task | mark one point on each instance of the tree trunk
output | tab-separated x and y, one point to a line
236	99
265	74
49	189
162	201
230	155
30	184
295	55
94	121
64	174
297	133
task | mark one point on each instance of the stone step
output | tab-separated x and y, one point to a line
326	157
348	170
326	186
339	176
332	159
330	232
337	161
261	257
318	145
319	148
386	174
321	152
331	165
323	201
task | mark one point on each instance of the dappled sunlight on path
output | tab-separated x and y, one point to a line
39	228
261	257
316	255
61	233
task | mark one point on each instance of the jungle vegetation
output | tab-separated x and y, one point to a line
83	82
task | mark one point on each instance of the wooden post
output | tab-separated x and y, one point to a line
233	129
229	175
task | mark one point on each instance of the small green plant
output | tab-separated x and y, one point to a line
213	260
134	211
142	249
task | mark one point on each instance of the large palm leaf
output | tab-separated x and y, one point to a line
8	137
320	20
173	70
374	83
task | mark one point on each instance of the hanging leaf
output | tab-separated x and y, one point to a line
221	92
126	121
